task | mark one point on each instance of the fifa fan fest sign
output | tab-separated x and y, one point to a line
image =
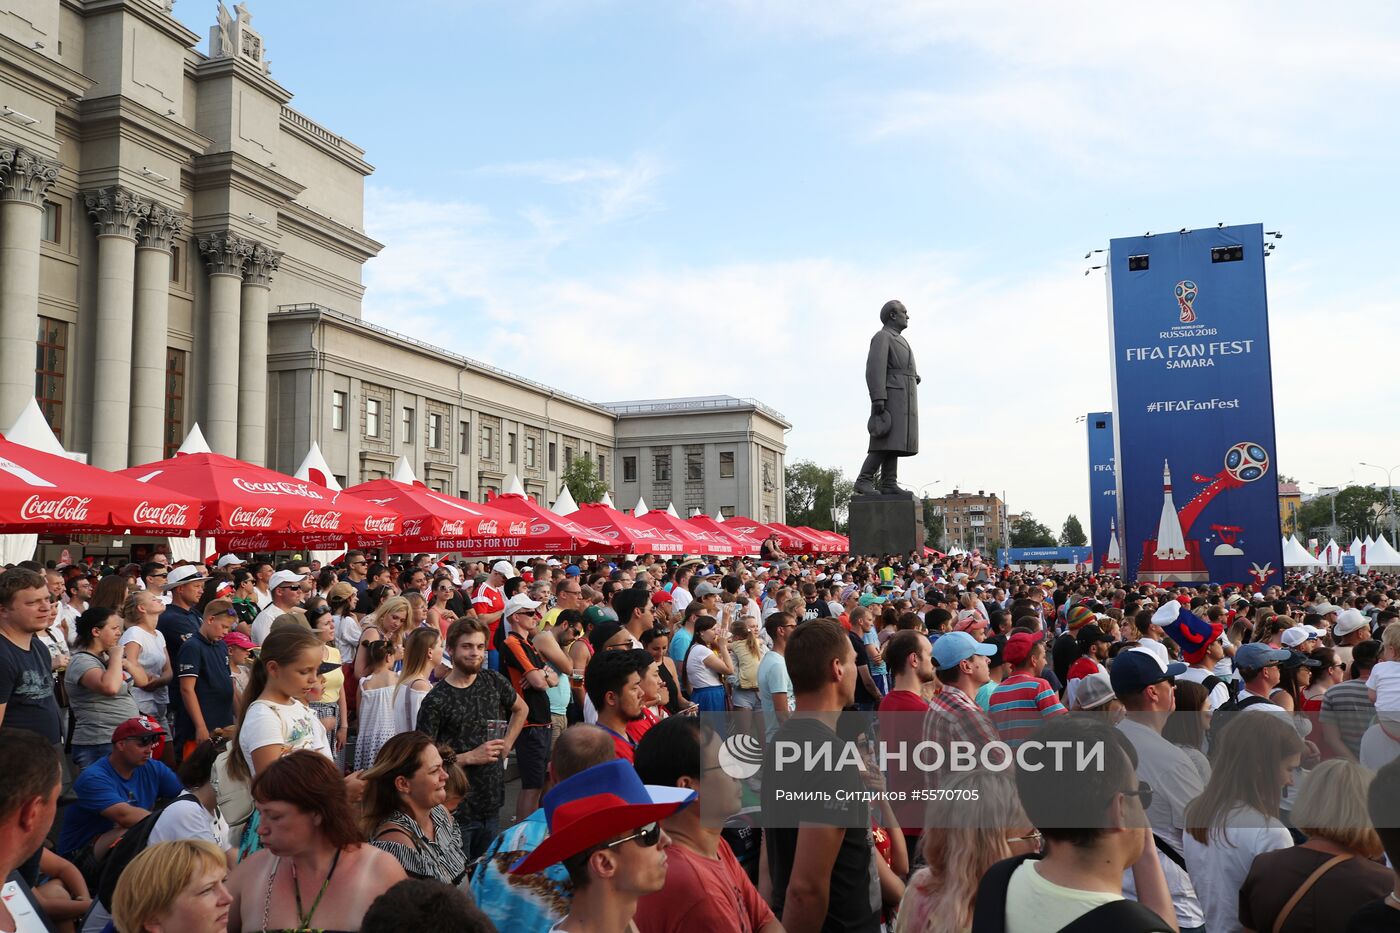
1103	493
1194	408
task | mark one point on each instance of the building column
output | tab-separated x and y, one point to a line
116	213
149	338
225	253
24	180
252	355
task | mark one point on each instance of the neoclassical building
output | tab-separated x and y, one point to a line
179	245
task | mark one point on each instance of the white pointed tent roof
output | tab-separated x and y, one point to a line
403	473
1295	555
314	469
513	485
32	430
719	516
671	510
606	500
1381	554
1331	554
641	508
1355	550
195	442
565	504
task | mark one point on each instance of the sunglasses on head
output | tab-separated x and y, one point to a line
1143	793
648	836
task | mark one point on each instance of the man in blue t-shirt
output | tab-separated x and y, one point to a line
181	619
204	700
117	792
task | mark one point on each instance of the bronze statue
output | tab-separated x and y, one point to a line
893	382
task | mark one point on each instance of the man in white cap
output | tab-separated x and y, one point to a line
1302	638
230	562
180	620
490	603
1350	630
532	678
285	587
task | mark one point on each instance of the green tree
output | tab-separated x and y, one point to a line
816	496
1358	514
581	476
933	524
1027	532
1072	534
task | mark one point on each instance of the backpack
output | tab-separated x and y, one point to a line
1123	916
132	843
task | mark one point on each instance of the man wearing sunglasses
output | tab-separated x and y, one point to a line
115	793
532	679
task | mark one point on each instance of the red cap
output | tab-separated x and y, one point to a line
659	597
139	726
1019	647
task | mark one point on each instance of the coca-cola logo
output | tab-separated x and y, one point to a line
277	488
518	528
540	528
326	521
67	509
489	527
246	543
162	515
456	527
252	518
413	526
385	524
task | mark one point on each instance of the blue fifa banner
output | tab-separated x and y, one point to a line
1060	555
1103	493
1193	408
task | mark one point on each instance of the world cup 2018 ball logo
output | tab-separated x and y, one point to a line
1185	298
1246	461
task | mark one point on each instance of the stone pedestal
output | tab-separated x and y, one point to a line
886	524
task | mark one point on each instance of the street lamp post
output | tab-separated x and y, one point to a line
1389	493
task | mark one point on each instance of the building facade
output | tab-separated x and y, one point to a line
178	245
1290	501
973	520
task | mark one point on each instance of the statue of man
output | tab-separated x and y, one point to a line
893	382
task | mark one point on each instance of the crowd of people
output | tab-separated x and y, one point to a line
250	745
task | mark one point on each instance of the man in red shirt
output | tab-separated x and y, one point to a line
909	657
489	604
706	888
1023	700
613	681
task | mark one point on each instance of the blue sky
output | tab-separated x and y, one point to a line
629	199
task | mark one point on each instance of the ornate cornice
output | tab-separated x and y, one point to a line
225	252
163	225
116	211
28	177
262	262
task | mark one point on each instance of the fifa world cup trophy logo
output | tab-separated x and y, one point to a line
1185	296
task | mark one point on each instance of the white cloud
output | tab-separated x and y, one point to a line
599	191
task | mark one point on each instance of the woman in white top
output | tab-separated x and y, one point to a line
422	651
279	721
143	645
342	599
1236	817
706	661
376	724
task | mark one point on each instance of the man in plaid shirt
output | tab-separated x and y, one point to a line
961	664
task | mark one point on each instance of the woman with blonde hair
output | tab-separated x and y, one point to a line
940	897
176	886
748	651
422	651
1340	851
418	610
142	644
388	620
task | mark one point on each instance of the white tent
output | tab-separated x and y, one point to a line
32	430
189	548
641	508
513	485
606	500
719	516
671	510
1381	554
1355	550
1331	554
565	504
1295	555
403	472
1366	546
314	469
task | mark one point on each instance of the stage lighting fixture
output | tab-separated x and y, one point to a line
1227	253
1137	263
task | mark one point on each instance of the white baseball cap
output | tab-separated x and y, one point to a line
283	577
1348	621
230	560
1295	636
518	602
182	575
505	568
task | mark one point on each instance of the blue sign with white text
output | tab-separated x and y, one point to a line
1103	493
1026	555
1193	408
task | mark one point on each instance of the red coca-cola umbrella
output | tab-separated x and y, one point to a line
834	543
628	534
43	493
586	541
436	522
793	541
747	544
748	527
697	540
253	508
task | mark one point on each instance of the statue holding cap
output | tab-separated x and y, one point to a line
893	380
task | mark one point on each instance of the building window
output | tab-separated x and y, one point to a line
408	426
177	264
530	452
727	511
726	464
553	456
175	361
53	222
371	417
487	450
510	447
338	400
662	469
464	439
629	469
695	466
50	372
435	432
603	468
568	457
